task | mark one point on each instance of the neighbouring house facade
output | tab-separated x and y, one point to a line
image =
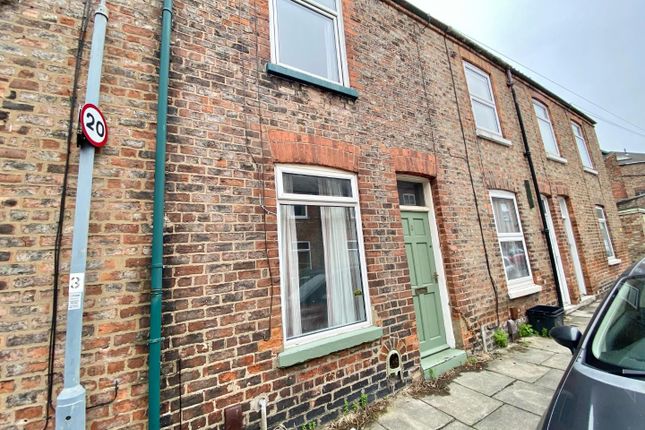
627	173
346	207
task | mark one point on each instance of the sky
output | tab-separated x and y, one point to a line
595	49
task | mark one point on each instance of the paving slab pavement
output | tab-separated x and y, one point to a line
413	414
529	397
466	405
551	379
485	382
509	417
511	394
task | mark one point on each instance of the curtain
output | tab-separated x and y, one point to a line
340	294
289	239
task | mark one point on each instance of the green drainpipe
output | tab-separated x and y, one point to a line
156	266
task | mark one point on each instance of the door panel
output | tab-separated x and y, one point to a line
424	280
573	248
564	289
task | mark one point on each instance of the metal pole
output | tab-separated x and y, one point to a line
70	404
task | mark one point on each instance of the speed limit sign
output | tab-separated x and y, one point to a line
93	125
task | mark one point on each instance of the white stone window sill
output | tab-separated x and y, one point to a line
523	290
613	261
590	170
557	158
495	138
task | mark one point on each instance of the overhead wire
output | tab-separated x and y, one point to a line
587	111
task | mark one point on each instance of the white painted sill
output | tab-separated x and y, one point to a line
557	158
590	170
613	261
522	290
495	138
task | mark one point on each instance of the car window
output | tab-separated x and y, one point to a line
619	341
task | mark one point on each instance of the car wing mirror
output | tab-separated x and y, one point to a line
567	336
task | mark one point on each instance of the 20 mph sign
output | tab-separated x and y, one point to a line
93	125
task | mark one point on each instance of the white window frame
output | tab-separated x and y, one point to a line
470	68
305	216
602	222
336	16
521	286
307	250
303	199
581	143
557	156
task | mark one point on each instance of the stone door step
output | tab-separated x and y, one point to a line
439	363
584	301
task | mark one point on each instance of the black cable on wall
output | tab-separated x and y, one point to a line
472	184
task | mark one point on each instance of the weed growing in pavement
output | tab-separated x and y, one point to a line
500	337
544	332
311	425
362	400
526	330
346	407
366	415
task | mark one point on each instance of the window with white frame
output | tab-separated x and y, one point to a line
511	239
582	145
546	129
307	36
327	293
482	99
304	255
604	232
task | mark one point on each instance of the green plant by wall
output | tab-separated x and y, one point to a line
544	332
311	425
362	400
500	337
526	330
346	407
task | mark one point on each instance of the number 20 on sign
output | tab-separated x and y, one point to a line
93	125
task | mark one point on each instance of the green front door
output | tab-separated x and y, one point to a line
425	284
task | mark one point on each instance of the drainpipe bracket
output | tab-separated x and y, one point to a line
155	340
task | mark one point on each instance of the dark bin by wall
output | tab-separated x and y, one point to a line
542	316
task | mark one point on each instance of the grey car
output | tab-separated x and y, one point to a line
604	384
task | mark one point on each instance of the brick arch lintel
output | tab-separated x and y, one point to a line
551	188
409	161
296	148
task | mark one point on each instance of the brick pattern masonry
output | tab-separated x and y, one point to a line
229	123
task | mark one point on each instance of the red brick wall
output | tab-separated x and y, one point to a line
221	233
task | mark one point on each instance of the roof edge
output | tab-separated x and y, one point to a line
490	56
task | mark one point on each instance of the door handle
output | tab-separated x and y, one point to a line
421	290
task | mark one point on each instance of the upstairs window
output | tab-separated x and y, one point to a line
546	129
582	146
322	265
482	100
307	36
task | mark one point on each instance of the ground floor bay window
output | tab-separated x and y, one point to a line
512	245
321	253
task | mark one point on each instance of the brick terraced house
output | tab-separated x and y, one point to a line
350	202
627	174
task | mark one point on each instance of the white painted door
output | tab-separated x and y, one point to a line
573	249
564	290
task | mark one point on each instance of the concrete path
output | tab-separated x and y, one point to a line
512	393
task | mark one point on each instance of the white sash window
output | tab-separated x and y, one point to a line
326	292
